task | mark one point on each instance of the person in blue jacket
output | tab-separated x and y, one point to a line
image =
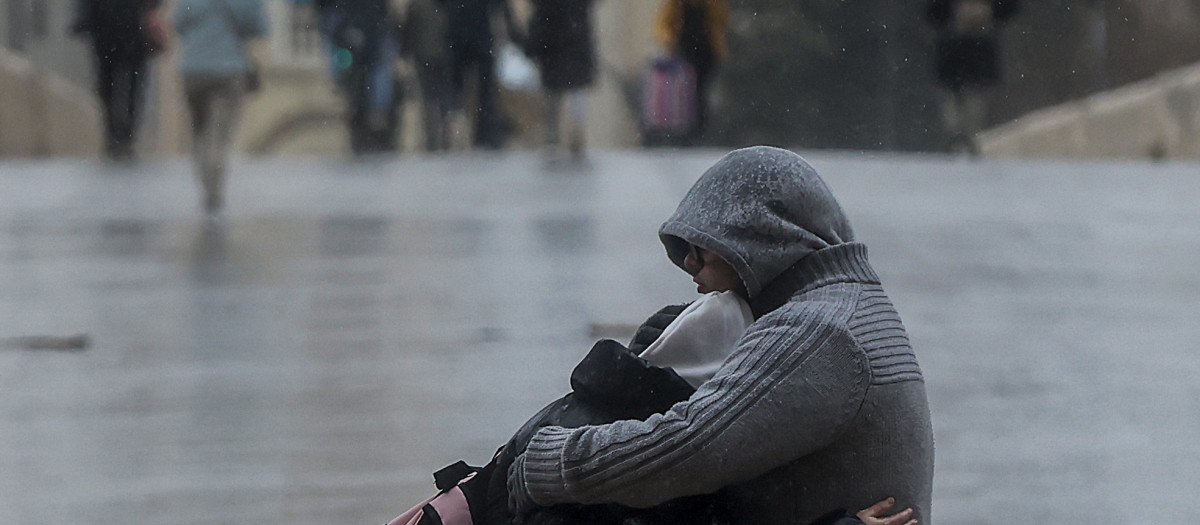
214	36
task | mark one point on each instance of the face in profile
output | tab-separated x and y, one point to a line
711	273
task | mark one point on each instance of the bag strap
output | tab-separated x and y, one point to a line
450	475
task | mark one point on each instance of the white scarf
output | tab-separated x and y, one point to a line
697	342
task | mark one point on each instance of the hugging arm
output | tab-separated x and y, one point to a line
785	392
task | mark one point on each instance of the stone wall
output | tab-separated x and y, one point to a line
1156	118
44	115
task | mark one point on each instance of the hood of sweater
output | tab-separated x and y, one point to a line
761	209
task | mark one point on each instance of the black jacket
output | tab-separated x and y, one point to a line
610	384
967	59
115	26
561	43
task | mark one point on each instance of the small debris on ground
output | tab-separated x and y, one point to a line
62	343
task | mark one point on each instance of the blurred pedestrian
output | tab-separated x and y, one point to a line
214	39
124	35
361	36
695	31
472	59
423	38
968	62
560	42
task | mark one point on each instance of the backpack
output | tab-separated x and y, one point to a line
459	501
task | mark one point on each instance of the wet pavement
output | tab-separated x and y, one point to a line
352	326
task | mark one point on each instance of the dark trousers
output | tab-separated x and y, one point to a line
371	88
215	105
435	105
478	63
704	64
362	47
120	78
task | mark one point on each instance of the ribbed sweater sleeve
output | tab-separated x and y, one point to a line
792	385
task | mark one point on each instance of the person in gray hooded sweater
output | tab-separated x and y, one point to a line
821	405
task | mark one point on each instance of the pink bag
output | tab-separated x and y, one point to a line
448	507
669	103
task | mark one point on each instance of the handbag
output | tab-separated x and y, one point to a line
156	30
669	101
252	77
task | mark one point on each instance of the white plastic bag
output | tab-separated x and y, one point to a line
515	71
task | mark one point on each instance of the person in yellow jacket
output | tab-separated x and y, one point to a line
695	31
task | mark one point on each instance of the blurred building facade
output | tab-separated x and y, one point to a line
46	105
38	31
860	75
838	75
297	110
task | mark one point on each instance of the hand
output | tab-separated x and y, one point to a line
649	331
519	502
872	515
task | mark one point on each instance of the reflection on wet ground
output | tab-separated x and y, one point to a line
353	326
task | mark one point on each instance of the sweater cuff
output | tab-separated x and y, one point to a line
518	496
539	470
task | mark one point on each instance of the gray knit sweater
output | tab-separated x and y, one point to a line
822	404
